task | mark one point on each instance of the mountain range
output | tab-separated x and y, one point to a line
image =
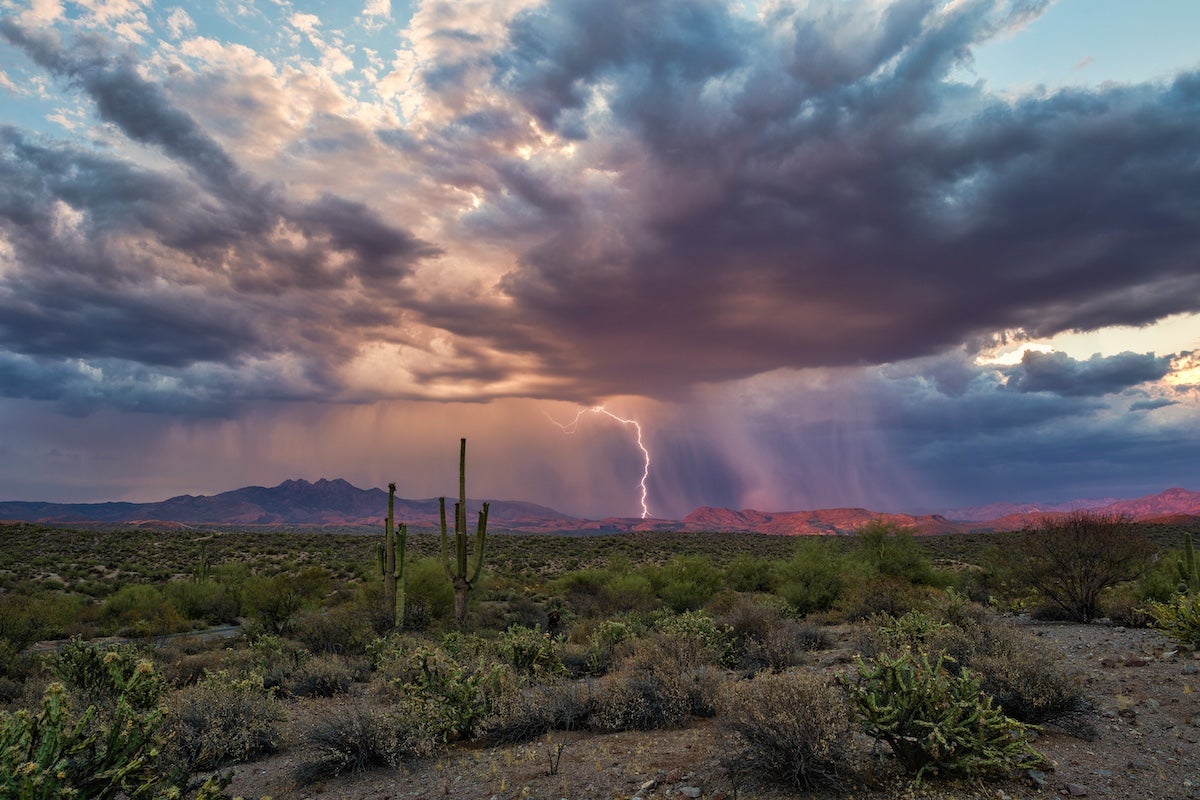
338	503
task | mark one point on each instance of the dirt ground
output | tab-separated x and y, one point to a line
1147	717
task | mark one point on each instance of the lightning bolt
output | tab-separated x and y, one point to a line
573	426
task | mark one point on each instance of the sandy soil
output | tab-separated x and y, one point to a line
1147	722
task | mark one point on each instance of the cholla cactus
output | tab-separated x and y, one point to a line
458	572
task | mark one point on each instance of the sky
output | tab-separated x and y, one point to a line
909	255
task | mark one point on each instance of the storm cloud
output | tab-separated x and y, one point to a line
791	237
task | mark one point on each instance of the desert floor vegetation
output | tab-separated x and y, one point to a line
586	665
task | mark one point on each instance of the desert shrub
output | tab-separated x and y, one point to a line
355	738
790	727
747	573
223	720
1072	560
685	583
1017	670
273	602
934	720
1179	618
885	548
532	652
209	601
564	705
57	752
141	610
642	696
883	595
692	638
26	618
663	680
814	577
323	676
451	689
271	659
430	597
763	635
345	629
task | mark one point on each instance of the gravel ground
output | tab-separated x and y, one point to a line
1147	720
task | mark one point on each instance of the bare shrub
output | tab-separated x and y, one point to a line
791	727
223	720
323	676
1071	560
355	738
524	716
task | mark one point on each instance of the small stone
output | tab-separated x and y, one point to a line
1075	790
1189	669
1037	777
1151	704
689	791
647	786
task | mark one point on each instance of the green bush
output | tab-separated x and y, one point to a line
207	601
935	721
138	609
790	727
1179	619
685	583
28	618
272	603
430	597
814	577
747	573
885	548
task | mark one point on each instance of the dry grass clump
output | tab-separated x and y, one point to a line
661	683
791	727
358	737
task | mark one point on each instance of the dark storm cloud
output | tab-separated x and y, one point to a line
814	191
1150	405
989	442
200	275
1099	375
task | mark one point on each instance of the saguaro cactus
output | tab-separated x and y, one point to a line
1189	577
458	572
391	563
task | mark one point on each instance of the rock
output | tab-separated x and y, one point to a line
1037	777
1151	704
647	786
690	791
1075	790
